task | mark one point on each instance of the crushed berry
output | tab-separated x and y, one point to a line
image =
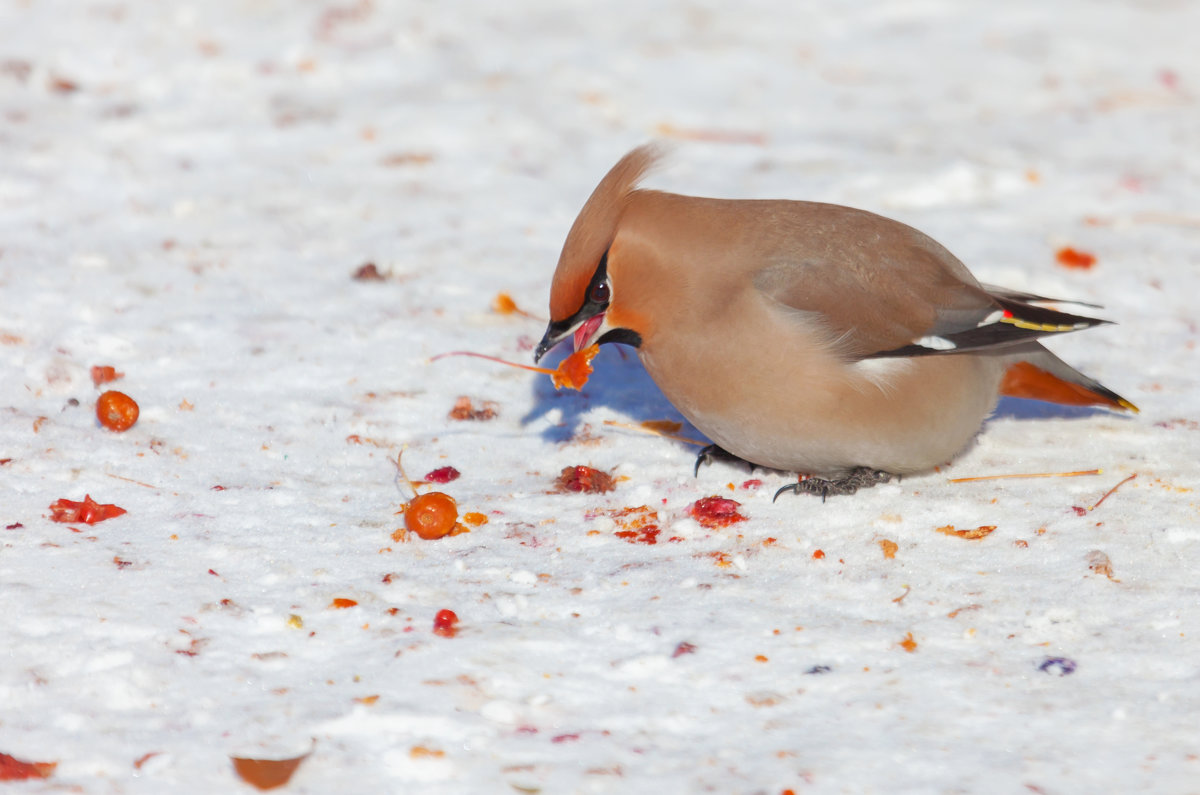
465	410
443	475
716	511
584	479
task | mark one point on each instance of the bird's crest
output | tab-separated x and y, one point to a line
594	229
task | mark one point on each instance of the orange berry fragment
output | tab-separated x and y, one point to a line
266	774
432	515
503	304
116	410
973	534
103	373
1072	258
341	603
574	370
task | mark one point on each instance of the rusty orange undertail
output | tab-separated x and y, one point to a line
1024	380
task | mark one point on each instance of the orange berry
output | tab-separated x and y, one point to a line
431	515
116	410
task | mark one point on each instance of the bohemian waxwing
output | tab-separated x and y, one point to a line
805	337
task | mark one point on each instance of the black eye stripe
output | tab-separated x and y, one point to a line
596	299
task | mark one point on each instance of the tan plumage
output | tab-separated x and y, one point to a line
802	336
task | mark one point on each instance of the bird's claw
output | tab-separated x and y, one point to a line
857	478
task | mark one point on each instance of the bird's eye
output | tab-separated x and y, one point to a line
600	293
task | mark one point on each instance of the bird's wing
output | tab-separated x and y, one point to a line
889	291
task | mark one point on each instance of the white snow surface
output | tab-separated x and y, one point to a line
186	189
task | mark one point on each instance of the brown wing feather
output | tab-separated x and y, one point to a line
876	283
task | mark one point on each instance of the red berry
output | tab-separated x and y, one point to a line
445	623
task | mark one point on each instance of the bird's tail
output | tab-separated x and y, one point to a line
1036	373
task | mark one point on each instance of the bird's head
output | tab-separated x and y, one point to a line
586	292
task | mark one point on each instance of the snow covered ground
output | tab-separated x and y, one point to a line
187	188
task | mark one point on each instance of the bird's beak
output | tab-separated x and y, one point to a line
584	333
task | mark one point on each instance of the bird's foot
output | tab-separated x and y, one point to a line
715	453
855	479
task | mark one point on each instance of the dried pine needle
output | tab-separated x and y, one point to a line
1028	475
655	430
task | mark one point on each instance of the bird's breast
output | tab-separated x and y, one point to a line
788	402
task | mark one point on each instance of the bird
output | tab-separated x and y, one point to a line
802	336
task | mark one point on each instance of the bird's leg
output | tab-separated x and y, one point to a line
714	453
855	479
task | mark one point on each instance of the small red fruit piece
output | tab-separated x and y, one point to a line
88	512
13	769
642	535
116	410
716	511
445	624
431	515
443	475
